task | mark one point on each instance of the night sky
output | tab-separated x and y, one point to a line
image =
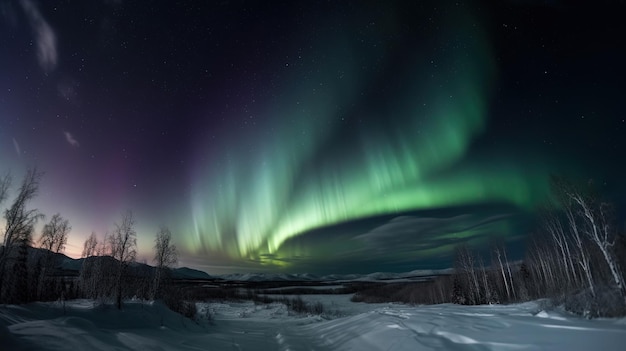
311	136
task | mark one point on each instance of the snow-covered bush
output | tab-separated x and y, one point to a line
607	303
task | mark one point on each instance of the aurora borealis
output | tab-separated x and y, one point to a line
307	136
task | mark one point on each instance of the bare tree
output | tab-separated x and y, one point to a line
54	234
582	254
542	263
5	183
98	275
105	270
19	221
599	228
488	296
552	224
561	188
102	248
86	278
53	239
123	246
89	247
468	276
507	280
165	256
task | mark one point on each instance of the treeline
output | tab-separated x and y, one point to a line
107	273
575	258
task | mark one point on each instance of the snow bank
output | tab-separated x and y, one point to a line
246	326
81	325
454	327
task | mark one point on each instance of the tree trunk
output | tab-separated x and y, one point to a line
119	287
504	278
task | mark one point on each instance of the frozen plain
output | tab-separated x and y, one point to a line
347	326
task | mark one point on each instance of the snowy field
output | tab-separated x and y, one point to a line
347	326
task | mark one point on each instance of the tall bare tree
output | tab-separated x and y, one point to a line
466	267
89	247
5	183
54	234
599	228
165	256
99	273
19	221
553	225
53	239
499	252
562	189
87	276
123	246
488	296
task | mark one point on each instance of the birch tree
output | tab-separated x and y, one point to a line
498	253
89	247
54	234
53	239
599	228
562	190
165	256
123	245
554	227
19	220
87	270
466	265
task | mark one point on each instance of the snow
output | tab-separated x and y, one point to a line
82	325
453	327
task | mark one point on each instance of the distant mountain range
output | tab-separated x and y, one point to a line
177	273
70	266
378	276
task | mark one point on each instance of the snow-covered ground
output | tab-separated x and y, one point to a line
246	326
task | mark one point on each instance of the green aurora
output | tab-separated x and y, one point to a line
316	137
306	170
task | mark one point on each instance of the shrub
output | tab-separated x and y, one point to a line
174	299
318	308
608	302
